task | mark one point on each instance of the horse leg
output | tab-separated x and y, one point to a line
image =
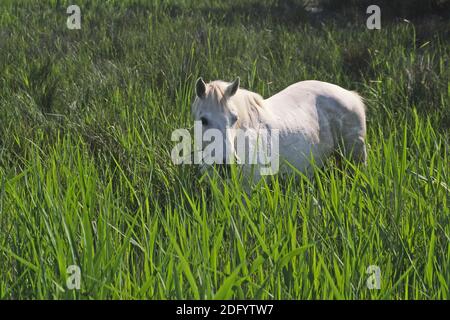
354	147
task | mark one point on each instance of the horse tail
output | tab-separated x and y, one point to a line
360	100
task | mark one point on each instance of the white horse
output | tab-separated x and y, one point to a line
313	119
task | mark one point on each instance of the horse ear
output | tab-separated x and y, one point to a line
200	87
232	88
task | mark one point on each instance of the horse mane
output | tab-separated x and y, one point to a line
248	104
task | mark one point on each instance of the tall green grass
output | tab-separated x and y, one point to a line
86	177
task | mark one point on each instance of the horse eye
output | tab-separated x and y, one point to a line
204	121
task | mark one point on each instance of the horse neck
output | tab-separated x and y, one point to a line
251	109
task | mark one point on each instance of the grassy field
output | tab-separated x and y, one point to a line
86	177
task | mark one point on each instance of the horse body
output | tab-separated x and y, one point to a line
313	119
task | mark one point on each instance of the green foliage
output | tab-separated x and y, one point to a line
86	177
